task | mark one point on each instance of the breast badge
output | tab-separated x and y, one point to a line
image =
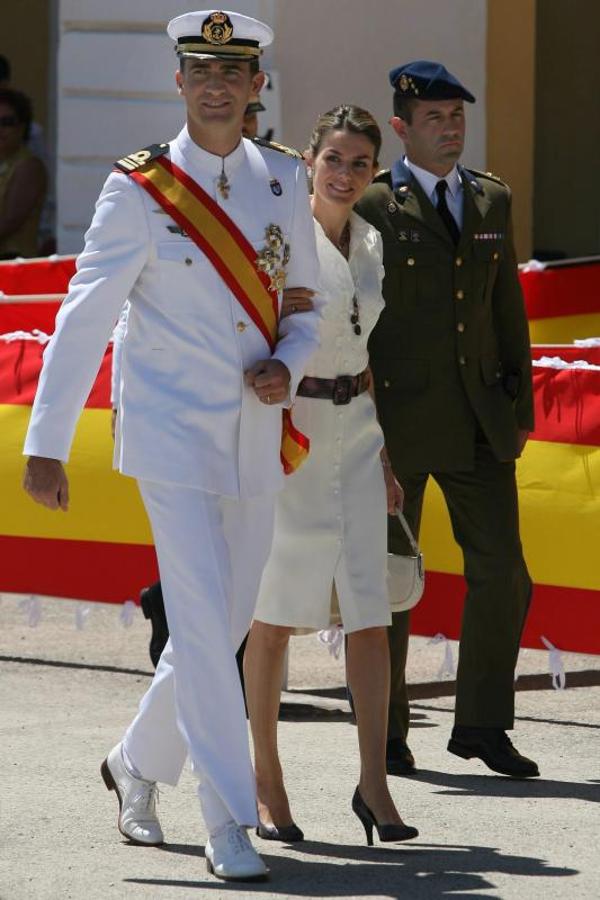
273	258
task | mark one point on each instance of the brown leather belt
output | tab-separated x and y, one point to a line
340	390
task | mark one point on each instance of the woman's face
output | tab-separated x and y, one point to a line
343	167
11	131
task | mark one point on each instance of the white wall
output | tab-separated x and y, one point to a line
340	51
116	84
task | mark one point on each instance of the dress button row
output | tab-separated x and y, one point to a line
241	326
460	327
460	294
188	261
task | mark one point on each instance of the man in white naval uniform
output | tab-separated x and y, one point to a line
199	423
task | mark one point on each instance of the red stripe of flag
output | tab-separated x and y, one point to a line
565	291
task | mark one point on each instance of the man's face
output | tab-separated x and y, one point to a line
217	91
435	136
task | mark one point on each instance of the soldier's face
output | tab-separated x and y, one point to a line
435	137
217	91
343	167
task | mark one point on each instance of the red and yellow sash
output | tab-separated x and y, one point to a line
234	258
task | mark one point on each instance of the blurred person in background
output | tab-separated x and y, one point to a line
37	144
23	178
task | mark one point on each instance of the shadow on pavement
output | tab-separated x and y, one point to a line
499	786
416	871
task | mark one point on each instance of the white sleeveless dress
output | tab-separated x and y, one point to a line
331	515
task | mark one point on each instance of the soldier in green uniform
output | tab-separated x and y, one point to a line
452	370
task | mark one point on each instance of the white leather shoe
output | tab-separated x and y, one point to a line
230	855
137	801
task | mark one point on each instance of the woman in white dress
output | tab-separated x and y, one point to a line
330	525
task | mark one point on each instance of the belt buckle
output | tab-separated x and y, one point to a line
342	390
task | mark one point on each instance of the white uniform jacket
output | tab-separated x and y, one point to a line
185	415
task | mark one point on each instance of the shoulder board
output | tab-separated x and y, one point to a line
136	160
384	175
488	175
273	145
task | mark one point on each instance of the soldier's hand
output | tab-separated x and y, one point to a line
296	300
46	482
395	494
523	436
270	379
393	488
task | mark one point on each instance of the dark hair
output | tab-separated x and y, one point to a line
5	70
403	106
254	64
346	118
21	107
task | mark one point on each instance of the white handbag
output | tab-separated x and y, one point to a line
406	574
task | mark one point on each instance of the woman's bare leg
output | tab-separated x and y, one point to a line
368	671
263	674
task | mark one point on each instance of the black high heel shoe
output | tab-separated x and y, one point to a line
289	834
386	832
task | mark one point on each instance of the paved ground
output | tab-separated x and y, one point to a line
66	694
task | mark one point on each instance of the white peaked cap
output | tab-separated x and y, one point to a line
219	33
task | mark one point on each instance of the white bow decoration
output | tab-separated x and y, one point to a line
555	662
333	638
447	667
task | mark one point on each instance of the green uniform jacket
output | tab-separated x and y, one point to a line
451	348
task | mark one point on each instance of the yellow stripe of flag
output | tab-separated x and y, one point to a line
559	509
105	506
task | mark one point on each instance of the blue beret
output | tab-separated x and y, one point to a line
426	80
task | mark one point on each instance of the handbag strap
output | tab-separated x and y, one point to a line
413	544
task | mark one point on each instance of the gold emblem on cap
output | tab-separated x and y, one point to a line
403	83
217	28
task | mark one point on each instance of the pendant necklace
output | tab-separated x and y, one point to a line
223	185
355	316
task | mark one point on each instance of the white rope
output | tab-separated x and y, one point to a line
36	335
555	362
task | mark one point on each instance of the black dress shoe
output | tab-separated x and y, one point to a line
398	758
288	834
153	608
494	748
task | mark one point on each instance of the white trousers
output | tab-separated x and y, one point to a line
211	552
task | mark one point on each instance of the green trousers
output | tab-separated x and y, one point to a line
483	509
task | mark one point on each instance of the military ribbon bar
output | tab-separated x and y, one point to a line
234	258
